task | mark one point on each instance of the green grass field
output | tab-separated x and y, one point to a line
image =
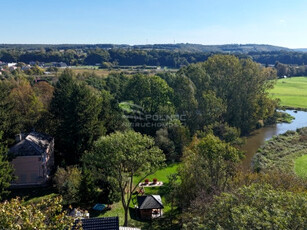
161	175
300	166
292	92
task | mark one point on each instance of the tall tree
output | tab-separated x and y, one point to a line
185	100
116	84
151	92
208	165
44	91
195	98
211	109
111	114
26	104
122	156
243	85
6	170
172	139
154	95
75	109
9	123
198	76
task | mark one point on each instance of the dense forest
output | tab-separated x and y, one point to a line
112	132
174	56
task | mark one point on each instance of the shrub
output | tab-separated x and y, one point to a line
45	214
68	182
258	206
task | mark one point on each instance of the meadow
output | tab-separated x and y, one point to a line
128	70
300	166
292	92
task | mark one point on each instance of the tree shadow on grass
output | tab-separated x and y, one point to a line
94	213
163	190
134	215
30	193
169	221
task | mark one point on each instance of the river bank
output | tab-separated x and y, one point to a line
292	108
280	152
258	138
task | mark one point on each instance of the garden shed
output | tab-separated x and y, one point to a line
150	206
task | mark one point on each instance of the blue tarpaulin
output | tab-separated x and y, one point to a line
99	207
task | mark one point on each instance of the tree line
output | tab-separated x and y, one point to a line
110	57
126	56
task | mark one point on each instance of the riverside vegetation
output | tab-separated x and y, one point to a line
286	153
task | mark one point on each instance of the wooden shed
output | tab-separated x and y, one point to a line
150	207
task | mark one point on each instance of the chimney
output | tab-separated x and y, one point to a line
19	137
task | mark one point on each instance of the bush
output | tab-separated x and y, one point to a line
89	190
45	214
258	206
208	166
172	140
68	182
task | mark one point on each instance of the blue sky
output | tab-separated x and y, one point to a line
276	22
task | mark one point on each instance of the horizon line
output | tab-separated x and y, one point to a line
151	44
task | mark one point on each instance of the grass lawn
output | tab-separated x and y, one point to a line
40	198
300	166
33	194
161	175
292	92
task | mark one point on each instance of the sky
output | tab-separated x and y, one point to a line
209	22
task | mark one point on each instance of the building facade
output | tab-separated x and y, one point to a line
33	159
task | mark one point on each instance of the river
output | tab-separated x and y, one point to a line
258	137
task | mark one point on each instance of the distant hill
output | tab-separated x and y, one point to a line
61	46
301	50
183	47
229	48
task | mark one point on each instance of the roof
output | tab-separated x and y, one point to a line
104	223
128	228
33	144
150	202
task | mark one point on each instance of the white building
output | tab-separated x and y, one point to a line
13	64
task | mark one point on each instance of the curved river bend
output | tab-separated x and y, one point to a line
258	137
